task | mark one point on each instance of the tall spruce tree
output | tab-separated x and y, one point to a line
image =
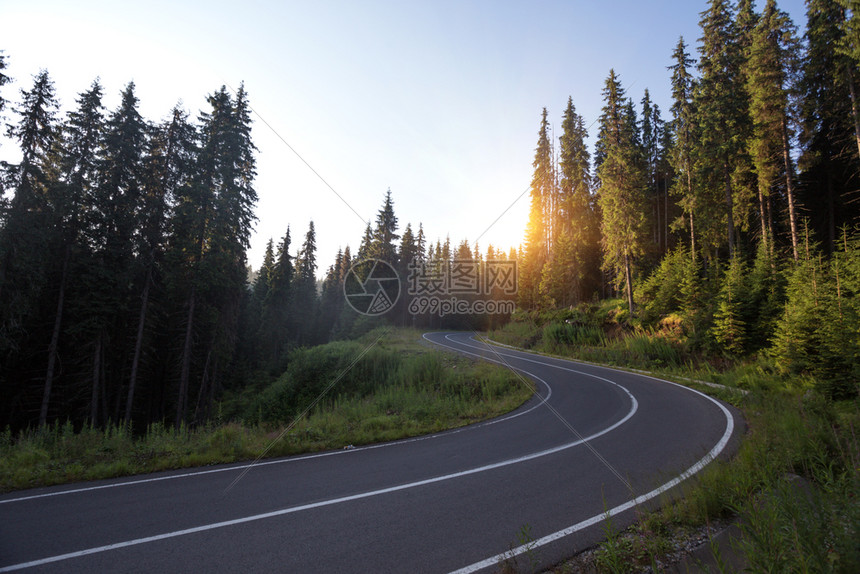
4	79
622	183
827	162
408	247
77	159
365	248
24	237
652	128
385	233
537	230
213	225
772	59
722	109
305	306
729	329
275	323
572	269
167	169
113	226
850	47
236	198
685	131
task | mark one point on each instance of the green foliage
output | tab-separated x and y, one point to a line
660	294
817	333
537	235
622	180
347	371
792	487
722	110
384	234
564	334
403	389
729	329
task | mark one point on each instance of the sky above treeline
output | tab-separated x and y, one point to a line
438	101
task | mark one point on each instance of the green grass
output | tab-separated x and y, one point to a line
795	436
399	388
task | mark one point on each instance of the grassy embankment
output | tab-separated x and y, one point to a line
793	430
398	388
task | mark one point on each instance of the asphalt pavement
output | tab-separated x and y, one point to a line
531	487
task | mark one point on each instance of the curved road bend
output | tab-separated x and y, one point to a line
453	501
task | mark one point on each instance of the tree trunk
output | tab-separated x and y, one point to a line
855	112
656	211
628	277
729	207
204	383
97	361
692	208
789	185
138	346
186	361
831	211
3	265
666	214
55	339
770	232
762	217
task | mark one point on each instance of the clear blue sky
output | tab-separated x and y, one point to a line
439	101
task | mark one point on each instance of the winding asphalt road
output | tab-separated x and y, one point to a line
535	484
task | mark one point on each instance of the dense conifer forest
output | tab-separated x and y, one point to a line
730	222
125	290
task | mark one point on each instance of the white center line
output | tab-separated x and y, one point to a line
70	555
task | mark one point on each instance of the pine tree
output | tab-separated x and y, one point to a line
722	109
384	234
538	228
660	293
408	247
793	344
4	79
421	243
24	239
685	131
622	184
331	297
729	329
464	252
826	128
578	252
652	129
305	290
772	58
234	218
765	298
850	47
561	275
263	282
167	168
76	154
365	248
275	321
445	254
113	225
212	231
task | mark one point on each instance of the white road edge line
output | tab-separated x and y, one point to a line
714	452
118	545
284	460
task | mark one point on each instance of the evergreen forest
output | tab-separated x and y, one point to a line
726	225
